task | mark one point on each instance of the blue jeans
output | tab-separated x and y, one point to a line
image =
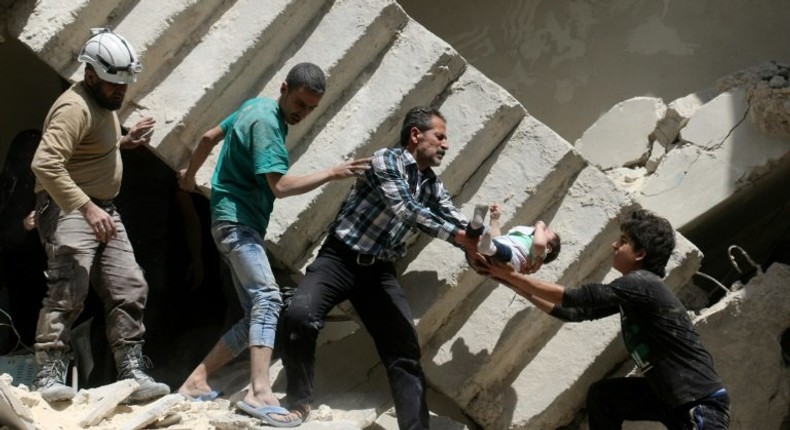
241	247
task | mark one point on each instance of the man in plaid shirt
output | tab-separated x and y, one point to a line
399	195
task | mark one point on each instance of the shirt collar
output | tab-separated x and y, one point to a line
409	160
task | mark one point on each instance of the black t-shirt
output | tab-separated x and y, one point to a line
657	332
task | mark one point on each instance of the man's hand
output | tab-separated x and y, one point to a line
29	222
350	168
531	265
478	262
186	181
140	134
498	270
100	221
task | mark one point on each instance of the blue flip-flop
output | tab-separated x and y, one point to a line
264	413
211	395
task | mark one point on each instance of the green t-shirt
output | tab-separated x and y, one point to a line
254	146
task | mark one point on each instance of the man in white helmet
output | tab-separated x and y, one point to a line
78	172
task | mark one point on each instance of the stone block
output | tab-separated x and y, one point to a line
620	137
368	121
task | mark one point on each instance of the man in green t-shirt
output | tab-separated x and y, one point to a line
251	172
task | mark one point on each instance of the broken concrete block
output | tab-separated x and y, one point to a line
678	113
104	403
242	36
376	24
620	136
742	331
56	30
723	155
416	68
480	114
629	179
770	108
352	49
12	411
151	413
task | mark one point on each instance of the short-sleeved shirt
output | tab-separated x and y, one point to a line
254	146
657	331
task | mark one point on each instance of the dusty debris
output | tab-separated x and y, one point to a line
12	411
106	400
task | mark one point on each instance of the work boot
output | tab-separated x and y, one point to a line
131	364
50	381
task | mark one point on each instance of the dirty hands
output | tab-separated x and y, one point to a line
139	134
100	221
350	168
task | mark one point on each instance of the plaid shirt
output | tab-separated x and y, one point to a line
387	206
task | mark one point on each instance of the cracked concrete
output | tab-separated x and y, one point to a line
484	350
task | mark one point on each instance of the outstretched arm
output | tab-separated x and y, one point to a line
290	185
527	286
210	139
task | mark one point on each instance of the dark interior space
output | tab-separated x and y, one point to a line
191	299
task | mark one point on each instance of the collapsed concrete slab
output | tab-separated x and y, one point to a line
483	346
743	331
716	145
720	156
621	136
369	121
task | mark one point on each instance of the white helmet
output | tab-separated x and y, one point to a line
111	56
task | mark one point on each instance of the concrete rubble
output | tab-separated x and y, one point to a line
492	355
717	145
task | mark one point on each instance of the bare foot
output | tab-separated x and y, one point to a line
298	412
193	389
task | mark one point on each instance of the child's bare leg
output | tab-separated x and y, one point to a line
486	245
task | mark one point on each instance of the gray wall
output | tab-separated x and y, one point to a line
570	61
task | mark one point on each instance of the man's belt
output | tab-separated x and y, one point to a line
358	257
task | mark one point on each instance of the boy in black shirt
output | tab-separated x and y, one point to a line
679	387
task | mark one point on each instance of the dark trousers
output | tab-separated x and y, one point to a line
333	277
614	400
75	260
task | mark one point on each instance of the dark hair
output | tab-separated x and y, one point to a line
420	117
306	75
555	246
654	235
